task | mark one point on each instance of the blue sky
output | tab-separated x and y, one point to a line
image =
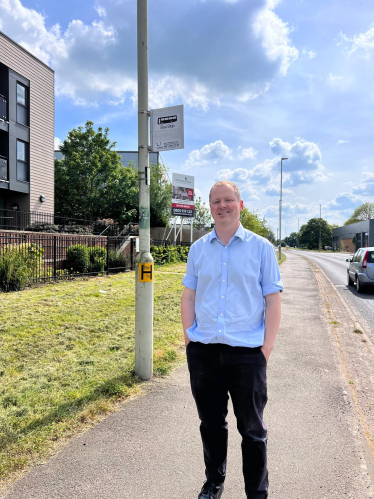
259	79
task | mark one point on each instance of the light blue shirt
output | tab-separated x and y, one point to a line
231	282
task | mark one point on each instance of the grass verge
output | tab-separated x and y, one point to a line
67	359
283	259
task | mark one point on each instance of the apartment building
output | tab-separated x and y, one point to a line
26	130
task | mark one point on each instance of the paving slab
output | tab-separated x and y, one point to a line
151	447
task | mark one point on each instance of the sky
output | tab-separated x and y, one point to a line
259	80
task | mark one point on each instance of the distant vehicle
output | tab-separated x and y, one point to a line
360	271
328	248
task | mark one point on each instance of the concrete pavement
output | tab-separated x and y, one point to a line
151	447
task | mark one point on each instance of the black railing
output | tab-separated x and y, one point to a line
36	221
46	257
3	108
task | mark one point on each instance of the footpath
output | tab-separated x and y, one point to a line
151	447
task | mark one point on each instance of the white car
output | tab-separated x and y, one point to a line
360	270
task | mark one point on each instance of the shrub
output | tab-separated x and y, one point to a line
169	254
97	257
77	258
118	261
43	227
18	263
76	229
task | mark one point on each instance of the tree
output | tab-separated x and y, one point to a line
291	240
90	181
309	234
202	216
251	220
160	196
363	212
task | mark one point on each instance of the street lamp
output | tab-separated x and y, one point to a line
280	212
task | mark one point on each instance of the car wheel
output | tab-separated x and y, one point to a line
358	285
349	280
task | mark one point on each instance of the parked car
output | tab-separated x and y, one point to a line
360	270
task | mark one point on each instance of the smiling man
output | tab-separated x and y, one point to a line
231	310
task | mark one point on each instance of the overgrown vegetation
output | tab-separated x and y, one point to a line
67	357
18	263
169	254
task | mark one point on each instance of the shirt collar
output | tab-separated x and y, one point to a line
239	233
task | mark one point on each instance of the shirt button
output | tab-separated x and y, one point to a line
221	296
224	264
225	247
220	331
223	280
221	315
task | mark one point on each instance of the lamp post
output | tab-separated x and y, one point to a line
280	212
320	214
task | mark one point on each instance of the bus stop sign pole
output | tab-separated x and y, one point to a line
144	272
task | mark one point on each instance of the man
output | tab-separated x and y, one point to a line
231	311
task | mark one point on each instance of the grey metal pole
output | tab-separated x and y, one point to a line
298	232
144	260
280	212
320	212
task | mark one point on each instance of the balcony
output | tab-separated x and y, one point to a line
3	170
3	114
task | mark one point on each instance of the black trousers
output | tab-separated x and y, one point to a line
217	370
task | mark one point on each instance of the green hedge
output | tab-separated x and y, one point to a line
81	259
169	254
18	264
97	256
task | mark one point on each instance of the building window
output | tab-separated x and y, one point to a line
22	161
22	105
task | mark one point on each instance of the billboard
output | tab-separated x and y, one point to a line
182	202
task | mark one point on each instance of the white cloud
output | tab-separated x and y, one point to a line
302	167
342	142
366	185
249	153
274	190
57	143
311	54
86	57
101	11
344	201
288	209
363	41
334	80
210	153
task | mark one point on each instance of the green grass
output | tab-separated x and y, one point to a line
67	358
283	258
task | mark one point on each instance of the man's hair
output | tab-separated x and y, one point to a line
227	182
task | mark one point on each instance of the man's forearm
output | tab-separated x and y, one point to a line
188	311
272	321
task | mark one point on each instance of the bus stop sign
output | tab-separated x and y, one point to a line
167	128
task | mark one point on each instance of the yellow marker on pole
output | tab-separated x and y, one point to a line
145	272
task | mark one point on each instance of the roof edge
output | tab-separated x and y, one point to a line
27	52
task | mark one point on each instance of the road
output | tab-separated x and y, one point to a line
335	267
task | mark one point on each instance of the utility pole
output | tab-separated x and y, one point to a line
320	212
144	260
298	232
278	236
280	212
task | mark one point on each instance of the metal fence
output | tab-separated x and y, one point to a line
56	256
38	221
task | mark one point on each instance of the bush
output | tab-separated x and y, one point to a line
118	261
77	258
43	227
97	256
169	254
18	264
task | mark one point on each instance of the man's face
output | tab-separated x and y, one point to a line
224	206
